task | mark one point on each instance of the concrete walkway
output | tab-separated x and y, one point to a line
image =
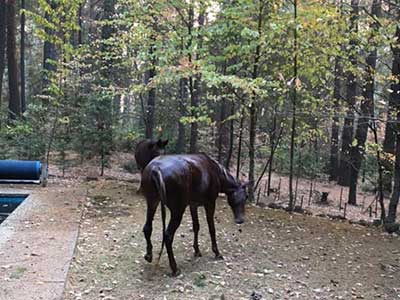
37	243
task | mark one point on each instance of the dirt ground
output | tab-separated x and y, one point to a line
274	255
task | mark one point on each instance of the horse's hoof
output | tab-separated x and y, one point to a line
148	257
219	257
197	254
175	273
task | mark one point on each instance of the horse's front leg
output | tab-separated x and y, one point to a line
148	228
210	210
196	228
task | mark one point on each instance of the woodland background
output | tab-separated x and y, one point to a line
309	89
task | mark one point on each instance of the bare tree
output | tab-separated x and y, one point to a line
15	100
3	39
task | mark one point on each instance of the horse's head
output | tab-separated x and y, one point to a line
237	199
147	150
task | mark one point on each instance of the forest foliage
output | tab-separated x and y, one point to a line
305	88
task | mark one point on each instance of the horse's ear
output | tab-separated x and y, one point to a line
151	144
246	184
162	143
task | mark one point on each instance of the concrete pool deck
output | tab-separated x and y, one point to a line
37	242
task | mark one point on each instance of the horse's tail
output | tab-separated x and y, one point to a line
160	185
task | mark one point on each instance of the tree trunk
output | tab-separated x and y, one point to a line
50	55
105	104
15	100
3	39
180	143
394	197
351	91
22	57
334	151
194	103
196	84
253	105
294	104
231	136
80	24
389	143
223	132
395	98
367	111
252	140
239	153
151	99
273	147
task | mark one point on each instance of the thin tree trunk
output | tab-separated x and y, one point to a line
151	99
196	90
395	98
253	105
50	55
334	151
389	143
22	57
180	143
3	39
380	171
80	24
394	197
351	91
273	141
367	111
105	104
194	103
223	134
231	136
294	104
239	154
15	100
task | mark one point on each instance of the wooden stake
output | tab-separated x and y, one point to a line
301	201
265	187
279	189
311	190
295	190
345	210
341	199
258	195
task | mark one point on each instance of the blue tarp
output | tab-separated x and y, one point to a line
20	170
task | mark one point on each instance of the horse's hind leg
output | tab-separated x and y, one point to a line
148	228
139	188
196	228
176	218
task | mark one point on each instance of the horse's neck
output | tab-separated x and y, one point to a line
228	182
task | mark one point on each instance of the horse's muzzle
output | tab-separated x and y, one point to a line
239	220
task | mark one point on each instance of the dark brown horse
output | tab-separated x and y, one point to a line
145	151
179	181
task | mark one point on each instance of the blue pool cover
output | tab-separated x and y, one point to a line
8	203
20	170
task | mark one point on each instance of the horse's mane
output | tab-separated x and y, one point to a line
222	170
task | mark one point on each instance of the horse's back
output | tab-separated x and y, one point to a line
189	175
